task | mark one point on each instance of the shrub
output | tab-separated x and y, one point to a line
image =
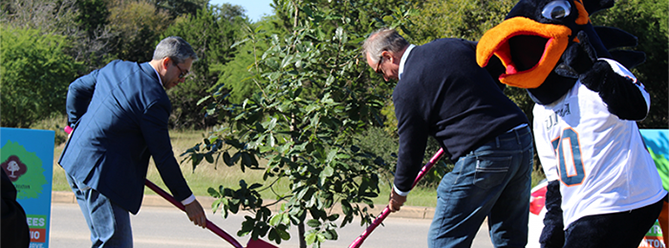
35	73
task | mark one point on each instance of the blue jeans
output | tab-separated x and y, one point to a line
492	181
109	223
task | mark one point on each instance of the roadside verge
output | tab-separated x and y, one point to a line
157	201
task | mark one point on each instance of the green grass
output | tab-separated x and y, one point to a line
208	175
204	176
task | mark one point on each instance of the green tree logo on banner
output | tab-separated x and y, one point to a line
26	167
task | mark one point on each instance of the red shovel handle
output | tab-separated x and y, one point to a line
211	226
386	211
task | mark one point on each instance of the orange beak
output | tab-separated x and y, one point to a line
529	50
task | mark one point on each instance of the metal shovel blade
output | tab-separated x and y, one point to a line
257	243
210	225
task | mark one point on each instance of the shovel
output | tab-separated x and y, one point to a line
386	211
211	226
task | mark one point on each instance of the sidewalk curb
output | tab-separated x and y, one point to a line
157	201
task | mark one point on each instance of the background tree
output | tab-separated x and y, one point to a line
177	8
211	32
138	25
458	19
35	73
648	21
237	75
48	15
93	41
81	21
92	15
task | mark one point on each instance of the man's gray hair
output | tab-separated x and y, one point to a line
175	48
384	39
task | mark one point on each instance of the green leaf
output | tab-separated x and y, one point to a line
276	219
272	123
333	217
213	192
328	171
343	156
310	238
346	207
255	186
330	234
203	99
283	234
285	219
331	155
227	160
271	140
304	193
314	223
216	204
329	80
239	42
273	235
288	60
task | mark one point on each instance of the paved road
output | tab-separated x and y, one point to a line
167	227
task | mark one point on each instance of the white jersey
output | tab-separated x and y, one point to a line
600	160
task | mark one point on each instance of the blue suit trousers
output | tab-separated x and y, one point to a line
108	222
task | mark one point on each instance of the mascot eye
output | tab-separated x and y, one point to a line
556	10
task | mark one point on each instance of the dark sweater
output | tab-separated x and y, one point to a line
445	94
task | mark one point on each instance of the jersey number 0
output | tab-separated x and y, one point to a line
568	151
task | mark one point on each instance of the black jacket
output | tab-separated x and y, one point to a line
15	231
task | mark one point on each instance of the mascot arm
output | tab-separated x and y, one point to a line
616	85
553	233
623	95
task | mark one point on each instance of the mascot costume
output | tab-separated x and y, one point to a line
604	189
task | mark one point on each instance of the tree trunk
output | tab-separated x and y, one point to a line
300	234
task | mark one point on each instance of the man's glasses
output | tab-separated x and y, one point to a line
378	66
182	74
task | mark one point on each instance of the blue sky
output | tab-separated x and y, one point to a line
255	9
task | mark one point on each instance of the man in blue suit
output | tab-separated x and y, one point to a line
119	114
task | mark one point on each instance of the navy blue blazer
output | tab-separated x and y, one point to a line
120	115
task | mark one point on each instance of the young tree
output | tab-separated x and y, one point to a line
313	96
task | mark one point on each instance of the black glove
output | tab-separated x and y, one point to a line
622	97
578	58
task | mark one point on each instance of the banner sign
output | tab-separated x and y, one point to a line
657	143
26	155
